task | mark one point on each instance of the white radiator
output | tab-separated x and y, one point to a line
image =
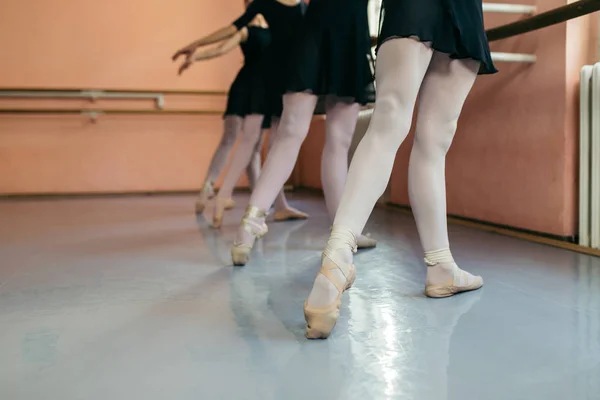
589	157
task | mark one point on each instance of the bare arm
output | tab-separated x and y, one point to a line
223	48
214	52
223	33
216	36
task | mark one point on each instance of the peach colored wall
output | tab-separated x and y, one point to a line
109	44
514	159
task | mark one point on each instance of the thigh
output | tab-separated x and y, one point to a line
400	69
445	88
298	109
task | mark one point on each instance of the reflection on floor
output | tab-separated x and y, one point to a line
133	298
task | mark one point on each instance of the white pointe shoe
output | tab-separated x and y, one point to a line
240	251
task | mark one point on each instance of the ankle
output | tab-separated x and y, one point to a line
254	214
208	186
436	257
253	225
341	245
440	266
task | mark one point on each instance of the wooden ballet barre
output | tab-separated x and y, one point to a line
109	91
543	20
84	94
95	113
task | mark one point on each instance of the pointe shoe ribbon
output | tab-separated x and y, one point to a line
362	241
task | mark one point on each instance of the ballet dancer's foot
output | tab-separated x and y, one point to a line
445	278
289	214
229	204
221	204
252	227
337	273
206	194
365	242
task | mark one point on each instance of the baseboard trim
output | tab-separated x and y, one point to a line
566	242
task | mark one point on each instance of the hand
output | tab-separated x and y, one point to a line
189	60
186	51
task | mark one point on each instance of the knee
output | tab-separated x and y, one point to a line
339	139
391	119
292	130
435	135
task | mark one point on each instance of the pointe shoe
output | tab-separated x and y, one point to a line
320	321
206	194
289	214
240	252
365	242
220	206
229	204
461	281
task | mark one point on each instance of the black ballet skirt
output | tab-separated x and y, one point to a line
454	27
284	24
247	94
331	56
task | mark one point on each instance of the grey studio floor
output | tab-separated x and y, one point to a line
134	298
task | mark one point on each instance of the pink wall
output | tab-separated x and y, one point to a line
514	159
109	44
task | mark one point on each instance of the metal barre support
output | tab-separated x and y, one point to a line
509	8
514	57
83	94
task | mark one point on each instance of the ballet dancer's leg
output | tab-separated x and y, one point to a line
232	125
253	168
414	63
339	125
298	109
401	67
443	93
247	146
283	210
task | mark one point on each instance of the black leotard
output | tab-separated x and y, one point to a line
453	27
247	94
284	23
331	54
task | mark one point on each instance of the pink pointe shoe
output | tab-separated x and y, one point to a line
320	320
445	278
204	197
251	228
